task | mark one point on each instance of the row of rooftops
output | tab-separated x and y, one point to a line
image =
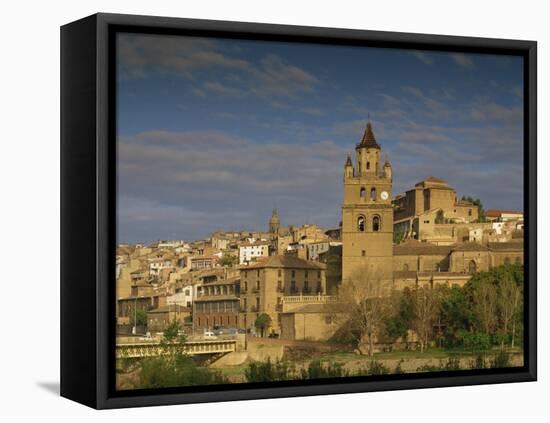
414	247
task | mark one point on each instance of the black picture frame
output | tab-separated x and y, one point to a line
88	194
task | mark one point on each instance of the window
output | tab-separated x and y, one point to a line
318	273
361	224
258	273
469	212
279	272
293	286
363	253
376	224
472	267
405	267
362	192
507	260
373	194
306	286
368	165
293	273
305	274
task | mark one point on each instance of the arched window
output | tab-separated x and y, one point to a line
368	165
472	267
373	194
375	223
361	224
362	192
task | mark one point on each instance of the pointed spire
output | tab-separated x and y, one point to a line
275	212
348	161
368	140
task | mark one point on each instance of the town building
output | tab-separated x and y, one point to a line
264	284
252	250
217	305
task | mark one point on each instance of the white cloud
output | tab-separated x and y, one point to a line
422	56
462	59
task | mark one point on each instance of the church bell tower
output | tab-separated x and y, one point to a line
367	213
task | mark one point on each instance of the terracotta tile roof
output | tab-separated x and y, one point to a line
368	140
415	248
510	245
285	261
498	213
206	298
469	246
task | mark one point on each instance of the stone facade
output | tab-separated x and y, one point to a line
265	283
367	212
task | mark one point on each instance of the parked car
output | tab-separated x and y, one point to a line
208	334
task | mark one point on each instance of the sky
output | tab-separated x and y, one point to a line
212	133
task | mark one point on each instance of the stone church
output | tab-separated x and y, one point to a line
368	228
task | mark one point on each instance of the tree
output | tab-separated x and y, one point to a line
263	322
508	304
455	313
229	260
476	202
139	318
362	308
426	308
174	367
439	217
401	314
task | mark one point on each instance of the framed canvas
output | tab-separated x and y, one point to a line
258	211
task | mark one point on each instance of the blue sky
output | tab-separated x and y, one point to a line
213	133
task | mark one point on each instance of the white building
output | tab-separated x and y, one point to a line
184	296
475	235
170	243
157	264
316	248
250	251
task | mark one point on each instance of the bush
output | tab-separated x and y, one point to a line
500	360
475	341
452	363
164	372
478	362
316	370
374	368
267	371
398	369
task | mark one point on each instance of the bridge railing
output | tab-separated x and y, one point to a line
148	349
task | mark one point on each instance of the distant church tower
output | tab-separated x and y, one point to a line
274	222
367	213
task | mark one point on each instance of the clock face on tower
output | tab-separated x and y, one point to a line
384	195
